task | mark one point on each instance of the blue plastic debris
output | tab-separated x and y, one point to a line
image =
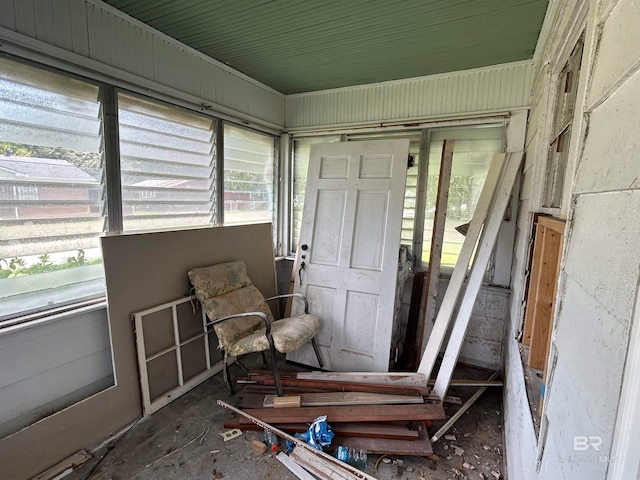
318	435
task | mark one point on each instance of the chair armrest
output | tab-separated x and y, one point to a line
262	316
285	295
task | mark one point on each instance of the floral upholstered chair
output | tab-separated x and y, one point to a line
242	319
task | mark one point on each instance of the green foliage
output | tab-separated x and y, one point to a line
17	267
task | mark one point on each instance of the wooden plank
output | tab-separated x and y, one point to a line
347	429
360	413
481	260
449	301
344	386
545	298
340	398
392	378
420	447
534	280
320	467
294	467
283	402
409	357
299	444
430	292
292	285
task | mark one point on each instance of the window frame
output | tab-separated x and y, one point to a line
112	185
425	132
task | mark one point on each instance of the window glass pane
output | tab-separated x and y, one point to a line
51	191
249	161
167	160
474	149
301	152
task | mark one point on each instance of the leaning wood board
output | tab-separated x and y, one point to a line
345	398
360	413
365	430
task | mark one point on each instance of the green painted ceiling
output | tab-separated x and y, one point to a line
304	45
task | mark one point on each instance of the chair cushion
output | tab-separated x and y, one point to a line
219	279
289	334
242	300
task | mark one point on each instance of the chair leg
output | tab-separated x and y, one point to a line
246	370
264	359
227	375
317	350
274	367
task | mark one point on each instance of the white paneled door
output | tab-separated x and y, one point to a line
349	242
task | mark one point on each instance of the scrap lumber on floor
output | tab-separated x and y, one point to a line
379	412
339	398
350	413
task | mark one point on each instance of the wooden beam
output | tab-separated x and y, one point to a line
339	398
405	379
360	413
441	325
420	447
480	263
342	386
430	292
534	279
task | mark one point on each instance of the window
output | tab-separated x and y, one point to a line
51	189
249	176
167	163
473	151
301	151
566	94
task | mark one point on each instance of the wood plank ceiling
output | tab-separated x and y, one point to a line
305	45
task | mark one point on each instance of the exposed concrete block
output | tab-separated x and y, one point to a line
603	250
610	160
617	52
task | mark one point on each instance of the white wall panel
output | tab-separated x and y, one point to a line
498	88
95	31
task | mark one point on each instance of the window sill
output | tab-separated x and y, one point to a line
29	321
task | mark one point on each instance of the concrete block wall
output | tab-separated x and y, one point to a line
600	272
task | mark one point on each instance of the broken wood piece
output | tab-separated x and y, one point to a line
320	468
471	383
258	446
404	379
301	445
360	413
340	398
294	467
449	423
283	402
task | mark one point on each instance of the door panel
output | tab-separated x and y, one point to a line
351	227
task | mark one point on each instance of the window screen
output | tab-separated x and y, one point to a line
249	180
51	190
167	162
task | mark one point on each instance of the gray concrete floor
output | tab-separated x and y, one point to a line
183	441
